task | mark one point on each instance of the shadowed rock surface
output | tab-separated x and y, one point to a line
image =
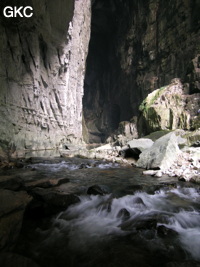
12	209
136	47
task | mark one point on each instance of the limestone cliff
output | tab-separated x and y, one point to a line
136	47
42	72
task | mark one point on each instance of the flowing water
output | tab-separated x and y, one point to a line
141	221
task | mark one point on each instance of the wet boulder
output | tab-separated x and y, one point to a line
138	201
165	232
13	205
13	183
45	182
139	223
154	188
107	205
134	188
52	201
83	166
123	214
98	190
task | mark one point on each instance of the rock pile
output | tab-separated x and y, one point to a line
173	154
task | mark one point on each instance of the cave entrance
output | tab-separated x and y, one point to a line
104	105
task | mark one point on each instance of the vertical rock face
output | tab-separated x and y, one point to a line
136	47
42	72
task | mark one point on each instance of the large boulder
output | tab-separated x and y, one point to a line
141	144
45	182
134	147
161	155
169	108
51	201
12	209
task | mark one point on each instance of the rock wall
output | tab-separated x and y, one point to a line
42	72
141	45
136	47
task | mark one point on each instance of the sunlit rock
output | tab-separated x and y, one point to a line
42	74
161	155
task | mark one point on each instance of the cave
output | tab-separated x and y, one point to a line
83	71
106	102
100	133
135	48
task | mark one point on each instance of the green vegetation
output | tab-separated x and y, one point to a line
150	99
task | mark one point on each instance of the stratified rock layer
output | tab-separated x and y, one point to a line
41	74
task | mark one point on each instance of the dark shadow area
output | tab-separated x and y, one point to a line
104	106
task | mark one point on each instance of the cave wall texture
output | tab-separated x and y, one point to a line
137	46
42	72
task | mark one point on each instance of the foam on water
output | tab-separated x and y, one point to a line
54	167
96	218
91	220
108	165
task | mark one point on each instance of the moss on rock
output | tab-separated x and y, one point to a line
164	109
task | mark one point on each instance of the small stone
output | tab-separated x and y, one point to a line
158	174
83	166
138	200
149	172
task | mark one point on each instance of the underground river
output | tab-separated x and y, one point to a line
130	220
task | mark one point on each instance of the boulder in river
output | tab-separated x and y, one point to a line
165	232
97	190
53	201
124	214
12	209
45	182
139	223
11	182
